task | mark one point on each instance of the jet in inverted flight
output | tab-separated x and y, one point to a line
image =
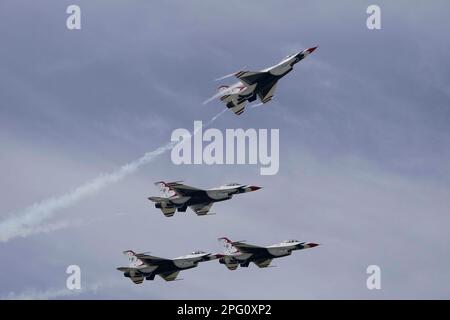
239	253
179	197
257	84
143	266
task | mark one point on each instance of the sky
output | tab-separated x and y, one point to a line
364	146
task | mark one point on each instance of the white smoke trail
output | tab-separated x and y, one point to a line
50	227
27	222
31	294
217	95
256	105
19	225
231	89
54	293
230	75
213	119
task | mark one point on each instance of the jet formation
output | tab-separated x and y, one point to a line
144	266
178	196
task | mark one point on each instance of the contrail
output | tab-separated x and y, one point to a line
26	222
230	75
59	293
256	105
213	119
31	294
50	227
228	90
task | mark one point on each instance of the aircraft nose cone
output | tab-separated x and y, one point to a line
312	244
254	188
311	50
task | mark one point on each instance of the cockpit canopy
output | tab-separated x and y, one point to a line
198	252
232	184
291	241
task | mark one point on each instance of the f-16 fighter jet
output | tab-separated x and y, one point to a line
240	253
257	84
146	266
179	196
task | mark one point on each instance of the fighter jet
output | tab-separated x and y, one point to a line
179	196
257	84
240	253
146	266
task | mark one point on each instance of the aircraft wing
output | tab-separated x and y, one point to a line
152	260
266	94
158	199
250	77
249	248
263	263
178	188
202	208
126	269
169	276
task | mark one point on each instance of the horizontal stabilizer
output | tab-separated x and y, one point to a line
158	199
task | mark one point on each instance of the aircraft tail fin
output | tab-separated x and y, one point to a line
228	246
166	188
134	261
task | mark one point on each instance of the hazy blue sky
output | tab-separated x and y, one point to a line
364	142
